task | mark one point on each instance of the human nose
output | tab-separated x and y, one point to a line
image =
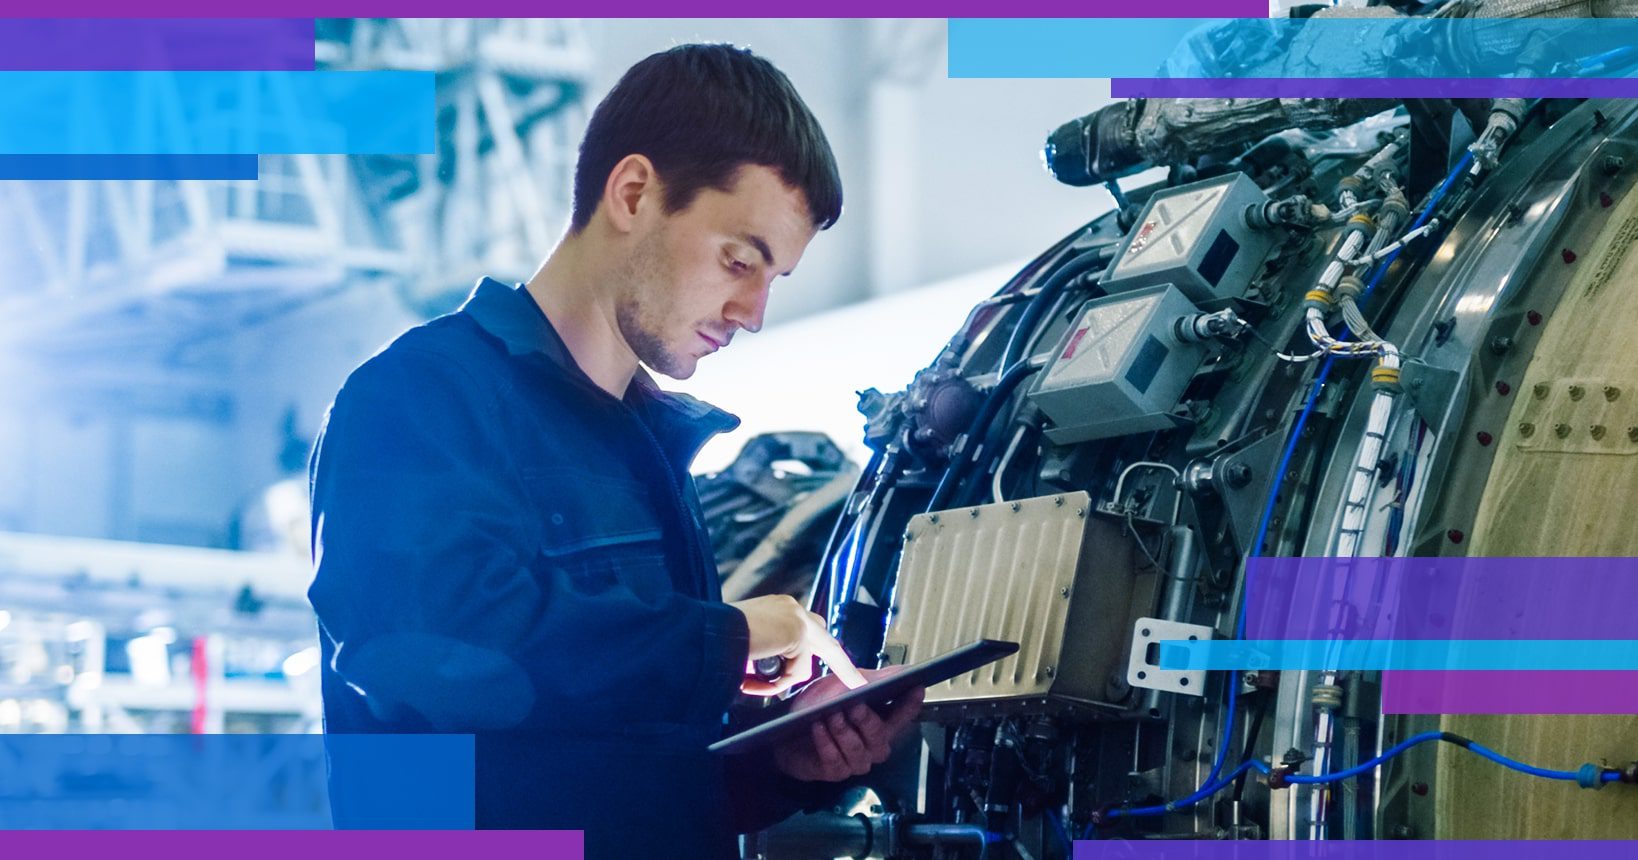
746	311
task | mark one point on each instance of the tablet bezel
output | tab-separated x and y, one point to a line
880	692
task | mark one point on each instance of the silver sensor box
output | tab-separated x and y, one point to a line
1120	369
1195	237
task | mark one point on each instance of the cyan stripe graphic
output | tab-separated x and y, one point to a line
129	167
216	113
1420	654
1291	48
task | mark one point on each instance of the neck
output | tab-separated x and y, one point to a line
573	291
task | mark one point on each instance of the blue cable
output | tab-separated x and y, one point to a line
1589	776
1209	787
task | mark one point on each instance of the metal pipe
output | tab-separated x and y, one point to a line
1180	570
948	834
821	834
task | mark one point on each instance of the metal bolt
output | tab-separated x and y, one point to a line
1611	392
1015	507
1420	789
1455	535
1249	679
1051	671
1503	388
1485	438
1568	255
1561	430
1605	200
1541	390
1533	317
1080	512
1526	429
1613	164
909	536
1058	501
933	518
1063	592
1577	392
1597	431
1632	433
1239	475
1500	344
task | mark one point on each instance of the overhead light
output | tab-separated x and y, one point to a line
301	662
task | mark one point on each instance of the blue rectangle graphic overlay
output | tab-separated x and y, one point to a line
1419	654
129	167
1292	48
236	782
216	113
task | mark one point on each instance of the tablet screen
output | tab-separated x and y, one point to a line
878	694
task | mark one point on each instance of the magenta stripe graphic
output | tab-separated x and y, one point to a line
307	844
1510	692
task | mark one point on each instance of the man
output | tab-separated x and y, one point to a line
506	536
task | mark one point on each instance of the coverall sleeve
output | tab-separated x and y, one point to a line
440	610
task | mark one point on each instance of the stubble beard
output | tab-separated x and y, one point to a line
643	334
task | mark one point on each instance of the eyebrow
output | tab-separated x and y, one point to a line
761	247
759	244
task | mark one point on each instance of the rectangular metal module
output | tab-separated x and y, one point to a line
1194	236
1044	572
1120	369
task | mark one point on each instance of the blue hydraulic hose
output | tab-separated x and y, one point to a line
1603	775
1209	787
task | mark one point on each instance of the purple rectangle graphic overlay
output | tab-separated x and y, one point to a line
1510	692
1397	849
307	844
652	9
1357	88
1441	598
156	44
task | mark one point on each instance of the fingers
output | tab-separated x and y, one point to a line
877	737
830	651
832	765
904	713
797	671
855	752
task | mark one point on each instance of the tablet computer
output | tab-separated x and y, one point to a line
878	694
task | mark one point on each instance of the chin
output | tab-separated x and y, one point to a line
675	367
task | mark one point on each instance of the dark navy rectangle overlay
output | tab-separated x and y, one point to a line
128	167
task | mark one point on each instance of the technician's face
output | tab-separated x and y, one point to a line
698	276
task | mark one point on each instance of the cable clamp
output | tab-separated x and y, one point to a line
1590	776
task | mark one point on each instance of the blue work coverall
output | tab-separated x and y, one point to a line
503	549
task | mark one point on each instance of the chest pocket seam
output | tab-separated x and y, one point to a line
600	512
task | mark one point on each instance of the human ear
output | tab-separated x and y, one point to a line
631	178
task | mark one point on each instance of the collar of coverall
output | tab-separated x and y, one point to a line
682	422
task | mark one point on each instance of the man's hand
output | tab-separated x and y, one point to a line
781	627
849	743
